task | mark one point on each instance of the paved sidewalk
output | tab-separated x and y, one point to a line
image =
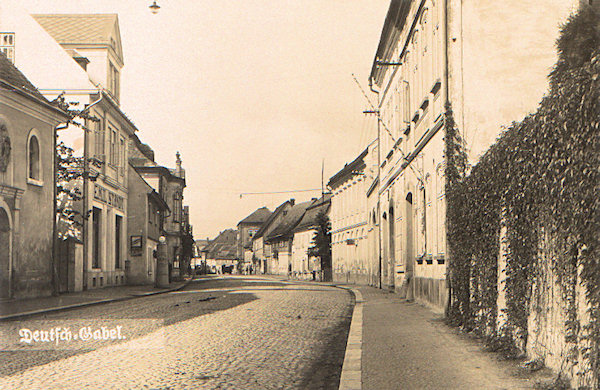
17	308
407	346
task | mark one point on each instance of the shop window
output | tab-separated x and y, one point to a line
96	214
118	230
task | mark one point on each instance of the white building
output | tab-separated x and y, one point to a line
352	257
489	63
305	266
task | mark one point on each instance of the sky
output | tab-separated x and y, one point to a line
256	95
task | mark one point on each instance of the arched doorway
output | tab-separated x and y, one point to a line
392	247
5	251
409	260
384	249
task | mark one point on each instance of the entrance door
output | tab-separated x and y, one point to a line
392	249
4	254
409	261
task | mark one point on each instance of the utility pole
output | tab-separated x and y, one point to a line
322	179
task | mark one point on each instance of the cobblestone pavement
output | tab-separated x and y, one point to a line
219	334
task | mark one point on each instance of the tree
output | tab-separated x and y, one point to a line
70	172
321	245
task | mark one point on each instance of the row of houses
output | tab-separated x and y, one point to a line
60	82
270	242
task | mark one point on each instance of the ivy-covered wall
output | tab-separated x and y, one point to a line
539	184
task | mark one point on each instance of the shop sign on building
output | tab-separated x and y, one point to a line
108	197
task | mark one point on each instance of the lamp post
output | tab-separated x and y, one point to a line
162	267
154	7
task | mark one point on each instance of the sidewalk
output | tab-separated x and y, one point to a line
406	346
18	308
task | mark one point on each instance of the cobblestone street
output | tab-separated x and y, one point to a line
230	333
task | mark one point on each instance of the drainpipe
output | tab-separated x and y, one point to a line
84	229
372	88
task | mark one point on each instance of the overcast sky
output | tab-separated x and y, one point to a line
253	93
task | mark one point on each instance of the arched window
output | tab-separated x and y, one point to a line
34	159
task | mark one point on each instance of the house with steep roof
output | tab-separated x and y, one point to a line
221	252
262	254
28	127
82	59
280	238
304	266
247	229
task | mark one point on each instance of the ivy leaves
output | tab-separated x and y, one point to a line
543	172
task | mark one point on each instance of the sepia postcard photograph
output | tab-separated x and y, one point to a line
300	194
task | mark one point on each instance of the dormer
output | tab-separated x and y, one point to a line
94	42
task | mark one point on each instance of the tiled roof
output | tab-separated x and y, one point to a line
13	76
78	28
289	221
224	247
267	224
349	170
309	220
257	217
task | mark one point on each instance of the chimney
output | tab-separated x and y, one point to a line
292	201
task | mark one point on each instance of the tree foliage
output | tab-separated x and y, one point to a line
321	242
70	172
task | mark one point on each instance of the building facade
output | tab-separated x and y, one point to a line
303	264
352	259
247	229
221	253
82	67
169	183
263	256
474	58
28	126
144	228
280	238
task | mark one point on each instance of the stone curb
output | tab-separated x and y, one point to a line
91	303
351	378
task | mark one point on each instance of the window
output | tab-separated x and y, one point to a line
150	214
118	230
7	45
99	138
96	214
114	81
177	198
113	147
34	161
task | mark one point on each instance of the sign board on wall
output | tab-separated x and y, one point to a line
135	245
108	197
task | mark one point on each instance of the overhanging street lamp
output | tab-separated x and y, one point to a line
154	7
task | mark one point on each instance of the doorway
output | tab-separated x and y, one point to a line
5	251
409	260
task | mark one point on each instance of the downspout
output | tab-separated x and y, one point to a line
372	88
86	172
